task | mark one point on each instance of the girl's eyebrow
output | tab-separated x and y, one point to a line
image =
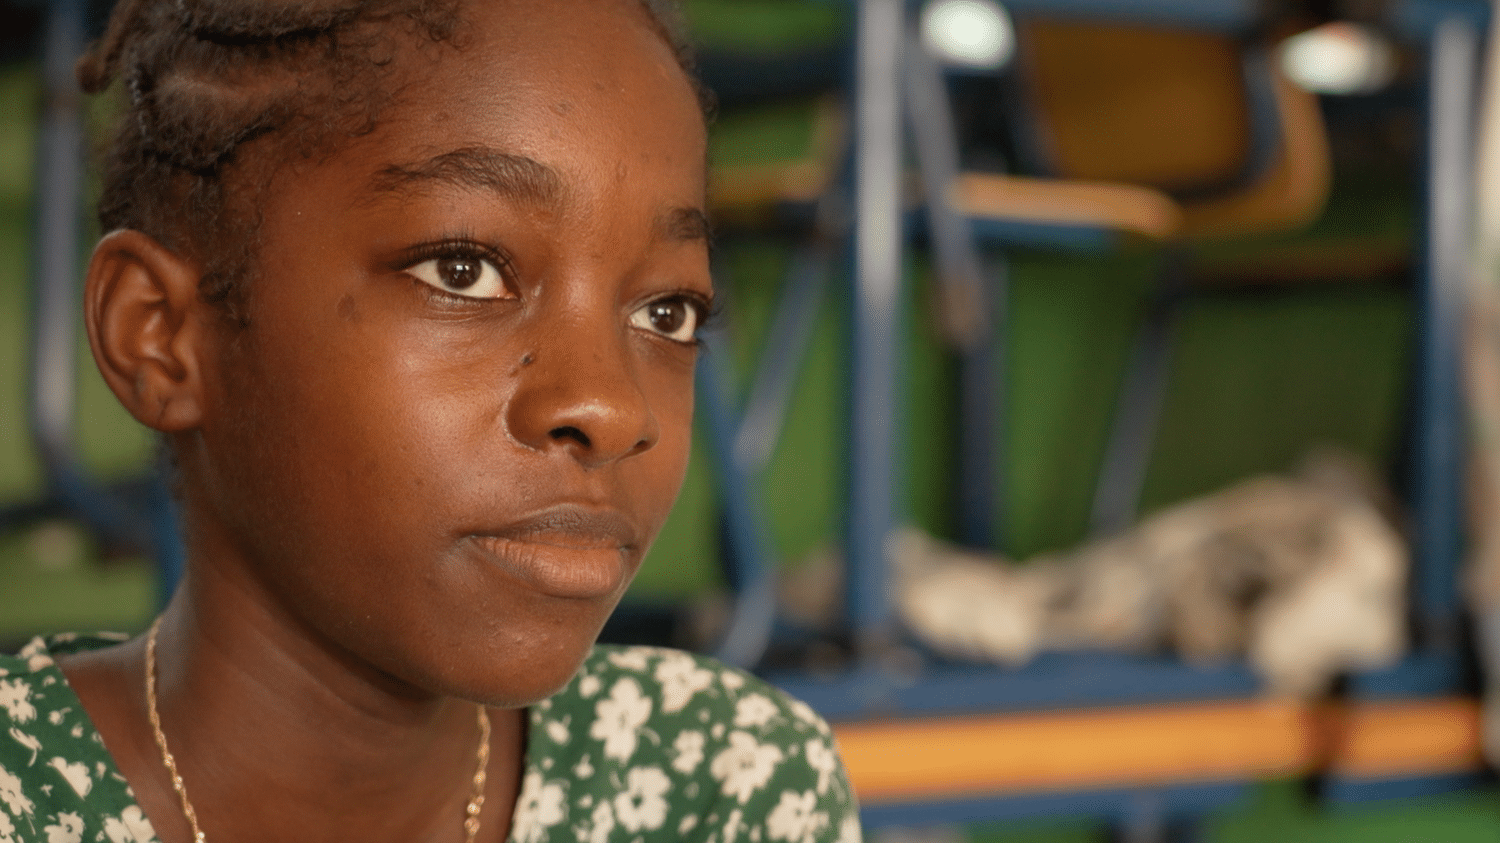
511	175
685	225
517	177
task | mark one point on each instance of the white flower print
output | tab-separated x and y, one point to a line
28	741
804	712
643	804
56	717
15	698
744	766
130	827
11	795
557	732
7	829
618	719
633	658
689	749
688	823
681	678
732	825
753	710
538	808
69	829
821	758
793	819
589	686
849	830
36	655
732	679
75	774
603	822
584	769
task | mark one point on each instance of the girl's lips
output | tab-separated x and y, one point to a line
568	551
559	570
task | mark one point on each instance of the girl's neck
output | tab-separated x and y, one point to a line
280	735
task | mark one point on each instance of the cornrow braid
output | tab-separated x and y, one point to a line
205	77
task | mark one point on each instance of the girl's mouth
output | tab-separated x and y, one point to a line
567	551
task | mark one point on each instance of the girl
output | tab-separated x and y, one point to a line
411	289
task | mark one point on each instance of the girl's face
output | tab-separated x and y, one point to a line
461	410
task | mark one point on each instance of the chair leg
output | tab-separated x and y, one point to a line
1148	821
981	437
1127	453
749	568
875	328
965	310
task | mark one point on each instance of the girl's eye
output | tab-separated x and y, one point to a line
674	317
469	276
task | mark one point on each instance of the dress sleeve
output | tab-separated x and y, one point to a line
772	769
808	798
662	746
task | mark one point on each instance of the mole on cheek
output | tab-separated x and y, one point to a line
346	309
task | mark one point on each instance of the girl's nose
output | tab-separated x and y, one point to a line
578	393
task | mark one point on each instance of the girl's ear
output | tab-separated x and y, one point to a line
146	328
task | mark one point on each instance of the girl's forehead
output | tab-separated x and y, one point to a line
524	67
564	105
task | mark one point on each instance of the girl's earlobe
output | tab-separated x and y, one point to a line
146	328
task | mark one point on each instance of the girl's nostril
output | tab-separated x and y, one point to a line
570	432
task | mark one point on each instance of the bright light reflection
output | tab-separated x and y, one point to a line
1339	58
969	33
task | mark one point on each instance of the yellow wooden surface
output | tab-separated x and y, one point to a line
898	761
1410	738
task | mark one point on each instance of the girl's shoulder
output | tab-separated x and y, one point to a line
57	780
661	744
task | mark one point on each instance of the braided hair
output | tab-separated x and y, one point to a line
204	78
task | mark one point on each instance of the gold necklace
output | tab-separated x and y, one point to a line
471	812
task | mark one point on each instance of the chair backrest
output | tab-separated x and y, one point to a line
1164	108
1202	116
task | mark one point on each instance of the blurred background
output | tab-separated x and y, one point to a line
1038	287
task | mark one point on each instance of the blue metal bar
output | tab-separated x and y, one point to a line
750	569
1221	15
1175	801
964	302
1051	681
53	343
876	299
1452	86
1345	790
1420	19
791	331
59	174
1143	395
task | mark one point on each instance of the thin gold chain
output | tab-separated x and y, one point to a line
471	811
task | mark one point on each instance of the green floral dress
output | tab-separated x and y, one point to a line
644	745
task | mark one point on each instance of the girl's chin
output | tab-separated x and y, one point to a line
511	679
